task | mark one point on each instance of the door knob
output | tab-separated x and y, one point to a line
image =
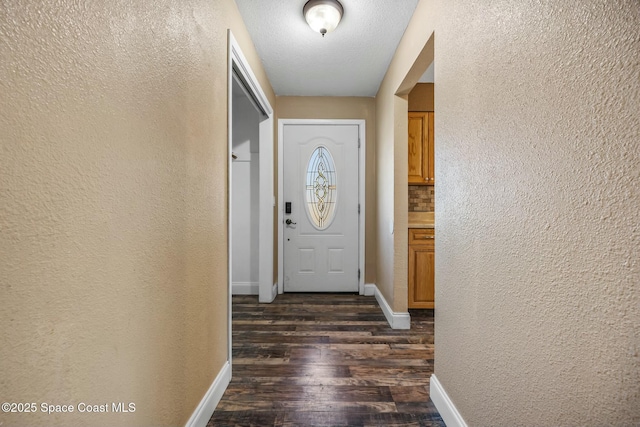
289	222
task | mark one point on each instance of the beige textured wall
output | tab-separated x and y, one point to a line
537	164
538	248
311	107
408	64
113	119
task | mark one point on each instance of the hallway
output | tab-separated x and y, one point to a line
327	360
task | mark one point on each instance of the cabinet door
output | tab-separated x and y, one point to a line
431	173
421	280
421	148
418	148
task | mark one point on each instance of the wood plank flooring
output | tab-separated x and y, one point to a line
327	360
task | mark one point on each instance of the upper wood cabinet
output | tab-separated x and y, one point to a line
421	146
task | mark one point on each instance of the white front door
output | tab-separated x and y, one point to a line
321	207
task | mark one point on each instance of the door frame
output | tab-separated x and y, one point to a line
361	190
238	64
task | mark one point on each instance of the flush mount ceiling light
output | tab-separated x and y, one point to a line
323	16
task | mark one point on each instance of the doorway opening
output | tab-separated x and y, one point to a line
416	104
245	191
251	199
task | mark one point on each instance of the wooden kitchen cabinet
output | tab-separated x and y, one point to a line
422	256
421	148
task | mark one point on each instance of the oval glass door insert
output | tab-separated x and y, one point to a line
321	192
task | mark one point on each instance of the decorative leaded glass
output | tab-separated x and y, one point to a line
321	193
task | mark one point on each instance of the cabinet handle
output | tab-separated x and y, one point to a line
424	237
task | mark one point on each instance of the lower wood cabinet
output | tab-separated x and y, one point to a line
422	256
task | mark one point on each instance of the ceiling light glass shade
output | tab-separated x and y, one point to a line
323	16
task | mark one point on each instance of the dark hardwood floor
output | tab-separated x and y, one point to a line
327	360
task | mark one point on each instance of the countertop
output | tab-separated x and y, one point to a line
421	220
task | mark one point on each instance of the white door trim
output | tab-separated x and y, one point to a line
238	62
361	190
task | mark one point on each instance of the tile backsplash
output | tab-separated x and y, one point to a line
421	198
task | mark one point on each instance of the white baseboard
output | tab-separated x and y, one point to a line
207	405
244	288
444	405
369	289
396	320
271	295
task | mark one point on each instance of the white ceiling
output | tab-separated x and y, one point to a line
350	61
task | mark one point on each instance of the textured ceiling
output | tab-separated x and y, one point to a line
350	61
